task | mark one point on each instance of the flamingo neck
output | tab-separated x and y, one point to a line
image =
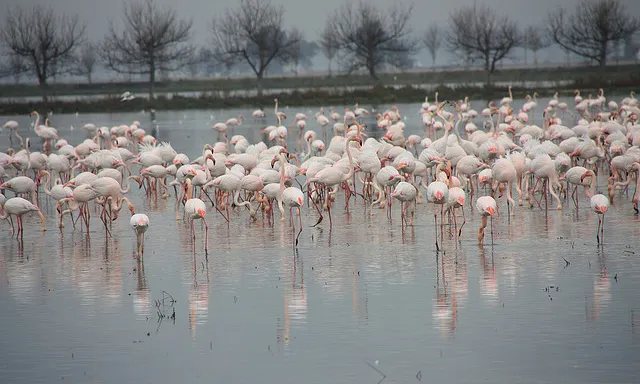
189	193
282	172
47	183
348	149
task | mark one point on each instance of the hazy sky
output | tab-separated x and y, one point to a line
309	15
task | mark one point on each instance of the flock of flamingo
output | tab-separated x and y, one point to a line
462	155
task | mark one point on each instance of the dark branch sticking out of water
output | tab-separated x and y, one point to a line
550	289
165	308
377	370
567	262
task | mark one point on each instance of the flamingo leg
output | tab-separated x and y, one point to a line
491	230
464	221
206	236
435	225
319	212
193	235
329	211
300	231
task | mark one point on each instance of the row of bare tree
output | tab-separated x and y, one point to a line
152	39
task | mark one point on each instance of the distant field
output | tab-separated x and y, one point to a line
614	76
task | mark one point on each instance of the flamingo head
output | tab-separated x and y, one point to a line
300	201
202	212
438	195
138	180
490	210
587	174
6	185
210	157
601	208
461	200
191	172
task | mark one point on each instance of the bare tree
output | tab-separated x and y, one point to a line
591	28
295	56
253	33
535	39
432	40
44	40
15	67
328	42
369	38
477	32
194	65
152	40
86	60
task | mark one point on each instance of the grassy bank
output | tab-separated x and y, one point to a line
325	91
375	96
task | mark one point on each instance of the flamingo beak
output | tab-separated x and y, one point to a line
300	201
491	210
438	195
461	200
202	212
602	209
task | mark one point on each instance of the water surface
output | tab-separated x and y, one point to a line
79	309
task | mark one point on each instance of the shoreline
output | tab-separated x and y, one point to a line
376	95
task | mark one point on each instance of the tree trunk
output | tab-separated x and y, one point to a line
89	77
330	74
372	71
42	83
525	56
433	60
260	76
488	68
535	58
152	80
602	59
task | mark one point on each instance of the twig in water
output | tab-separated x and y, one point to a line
567	262
377	370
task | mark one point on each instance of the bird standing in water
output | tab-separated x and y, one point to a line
599	205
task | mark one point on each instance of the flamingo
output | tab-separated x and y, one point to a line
13	126
18	206
194	208
139	224
20	185
258	115
599	205
406	193
576	176
292	197
487	207
438	194
455	200
79	200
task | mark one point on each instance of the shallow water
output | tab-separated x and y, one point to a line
365	294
